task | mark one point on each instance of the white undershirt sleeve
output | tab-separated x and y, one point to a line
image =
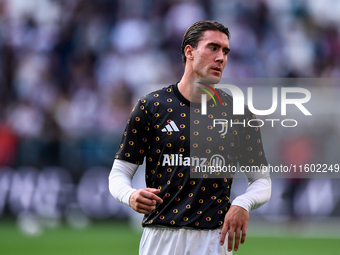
257	193
120	180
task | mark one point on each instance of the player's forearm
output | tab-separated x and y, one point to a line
257	194
120	180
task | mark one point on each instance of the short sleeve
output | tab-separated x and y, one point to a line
135	140
251	152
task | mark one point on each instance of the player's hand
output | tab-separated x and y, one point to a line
145	200
235	221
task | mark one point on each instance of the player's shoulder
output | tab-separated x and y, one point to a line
155	96
226	97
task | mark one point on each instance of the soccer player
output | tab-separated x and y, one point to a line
184	215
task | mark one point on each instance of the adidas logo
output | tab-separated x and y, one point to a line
170	127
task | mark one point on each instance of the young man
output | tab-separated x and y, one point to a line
184	215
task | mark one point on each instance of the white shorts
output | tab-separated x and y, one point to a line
181	241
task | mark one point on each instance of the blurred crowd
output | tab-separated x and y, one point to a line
71	70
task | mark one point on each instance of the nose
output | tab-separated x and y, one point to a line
220	57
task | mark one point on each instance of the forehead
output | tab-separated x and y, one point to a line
217	37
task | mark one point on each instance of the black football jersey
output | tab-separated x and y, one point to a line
174	137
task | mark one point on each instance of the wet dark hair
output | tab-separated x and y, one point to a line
194	33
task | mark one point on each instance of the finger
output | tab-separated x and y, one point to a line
152	190
231	238
155	191
143	211
144	200
146	207
244	233
152	196
223	233
237	239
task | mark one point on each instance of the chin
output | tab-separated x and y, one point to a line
212	80
209	79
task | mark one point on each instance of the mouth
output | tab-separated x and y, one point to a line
216	69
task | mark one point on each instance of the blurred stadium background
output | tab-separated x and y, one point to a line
71	71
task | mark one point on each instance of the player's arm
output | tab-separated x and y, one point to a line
120	186
257	193
259	185
130	154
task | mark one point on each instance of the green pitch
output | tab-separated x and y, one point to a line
117	238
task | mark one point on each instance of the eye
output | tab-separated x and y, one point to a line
213	48
226	52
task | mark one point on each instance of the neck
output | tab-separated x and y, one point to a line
184	86
191	94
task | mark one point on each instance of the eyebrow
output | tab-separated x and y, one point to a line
219	46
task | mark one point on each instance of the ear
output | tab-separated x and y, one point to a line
188	51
